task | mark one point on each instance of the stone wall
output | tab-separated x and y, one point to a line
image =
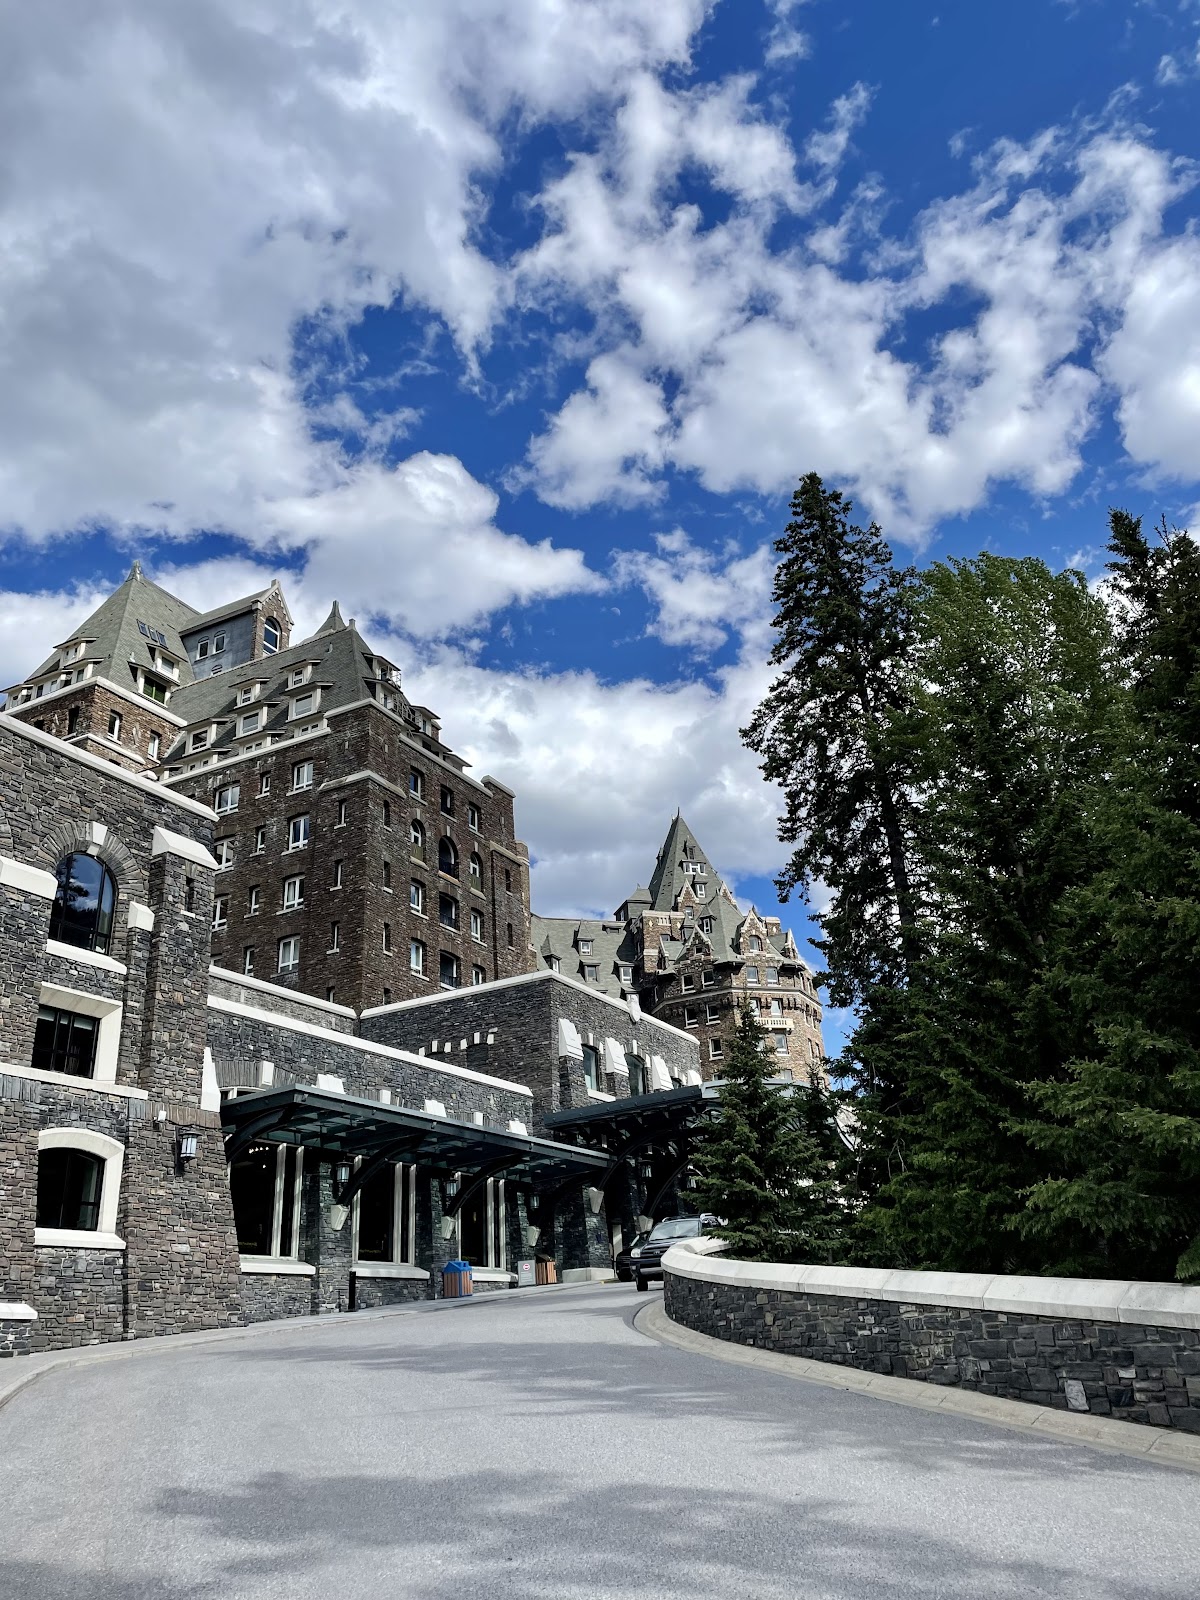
284	1002
1129	1351
270	1296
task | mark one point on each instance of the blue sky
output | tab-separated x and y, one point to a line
510	323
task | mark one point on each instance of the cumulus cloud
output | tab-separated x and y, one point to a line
701	596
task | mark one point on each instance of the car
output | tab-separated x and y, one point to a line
623	1260
647	1258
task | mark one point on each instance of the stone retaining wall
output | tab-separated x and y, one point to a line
1083	1353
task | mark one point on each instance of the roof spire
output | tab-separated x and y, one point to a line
135	572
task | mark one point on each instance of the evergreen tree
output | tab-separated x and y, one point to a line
831	732
765	1167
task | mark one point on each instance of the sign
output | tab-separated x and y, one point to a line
526	1274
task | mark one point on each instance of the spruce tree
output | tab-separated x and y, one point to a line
765	1166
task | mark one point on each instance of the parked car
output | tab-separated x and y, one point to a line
647	1258
623	1260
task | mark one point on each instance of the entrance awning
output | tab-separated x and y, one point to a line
664	1114
340	1127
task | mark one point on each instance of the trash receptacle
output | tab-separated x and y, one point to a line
456	1280
547	1272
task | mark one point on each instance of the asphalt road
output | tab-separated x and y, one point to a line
538	1448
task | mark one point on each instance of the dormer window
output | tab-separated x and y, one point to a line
198	740
585	947
297	676
247	693
272	635
251	722
303	705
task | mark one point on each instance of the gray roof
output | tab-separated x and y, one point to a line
669	875
235	608
613	944
120	631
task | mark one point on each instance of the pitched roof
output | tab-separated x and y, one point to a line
669	875
235	608
613	945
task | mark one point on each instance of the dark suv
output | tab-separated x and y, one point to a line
646	1259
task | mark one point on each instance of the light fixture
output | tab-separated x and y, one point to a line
447	1227
595	1199
647	1171
341	1177
186	1146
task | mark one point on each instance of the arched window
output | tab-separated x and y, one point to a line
272	634
417	835
476	868
68	1190
83	908
447	858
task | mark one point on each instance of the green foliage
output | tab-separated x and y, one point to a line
765	1165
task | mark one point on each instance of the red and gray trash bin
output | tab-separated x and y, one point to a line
456	1280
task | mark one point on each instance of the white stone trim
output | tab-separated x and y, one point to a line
284	993
1161	1305
108	768
16	1311
223	763
89	958
108	1034
235	1008
28	880
388	1269
600	1094
167	843
570	1045
543	976
139	918
112	1153
588	1275
66	1081
276	1266
493	1275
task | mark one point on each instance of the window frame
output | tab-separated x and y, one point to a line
112	1153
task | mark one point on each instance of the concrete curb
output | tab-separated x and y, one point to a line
1160	1445
18	1372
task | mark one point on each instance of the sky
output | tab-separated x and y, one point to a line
510	324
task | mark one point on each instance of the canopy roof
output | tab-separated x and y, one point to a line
340	1125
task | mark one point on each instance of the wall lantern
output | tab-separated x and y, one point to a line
533	1235
595	1199
186	1145
341	1177
647	1171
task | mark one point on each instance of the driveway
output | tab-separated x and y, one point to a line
536	1445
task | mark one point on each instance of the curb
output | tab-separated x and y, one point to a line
18	1372
1166	1447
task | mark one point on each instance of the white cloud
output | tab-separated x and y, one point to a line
31	624
701	596
826	148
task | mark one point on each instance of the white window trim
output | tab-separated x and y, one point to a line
112	1153
108	1034
89	958
404	1175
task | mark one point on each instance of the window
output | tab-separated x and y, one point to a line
387	875
303	705
387	813
297	676
756	943
329	993
297	833
591	1066
477	926
260	840
508	880
189	894
712	1014
447	858
383	1220
223	850
114	724
335	937
84	903
776	1007
250	692
293	893
264	783
198	741
202	650
220	912
772	975
271	636
473	817
508	934
448	970
416	834
251	722
289	954
387	995
416	957
689	1016
63	1041
554	963
751	974
705	924
416	897
227	797
637	1073
591	973
475	870
447	801
73	721
337	875
447	911
687	983
264	1185
153	744
707	978
387	938
69	1184
343	813
153	690
780	1040
416	784
625	973
478	975
302	775
585	947
248	960
715	1049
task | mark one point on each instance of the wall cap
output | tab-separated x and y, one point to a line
30	880
1160	1305
277	1266
167	843
16	1311
87	958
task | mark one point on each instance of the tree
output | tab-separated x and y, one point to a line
765	1166
832	732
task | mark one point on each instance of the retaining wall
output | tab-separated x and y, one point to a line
1119	1349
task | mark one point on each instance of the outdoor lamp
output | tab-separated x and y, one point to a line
533	1235
647	1171
187	1146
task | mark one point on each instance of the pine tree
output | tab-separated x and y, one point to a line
765	1167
